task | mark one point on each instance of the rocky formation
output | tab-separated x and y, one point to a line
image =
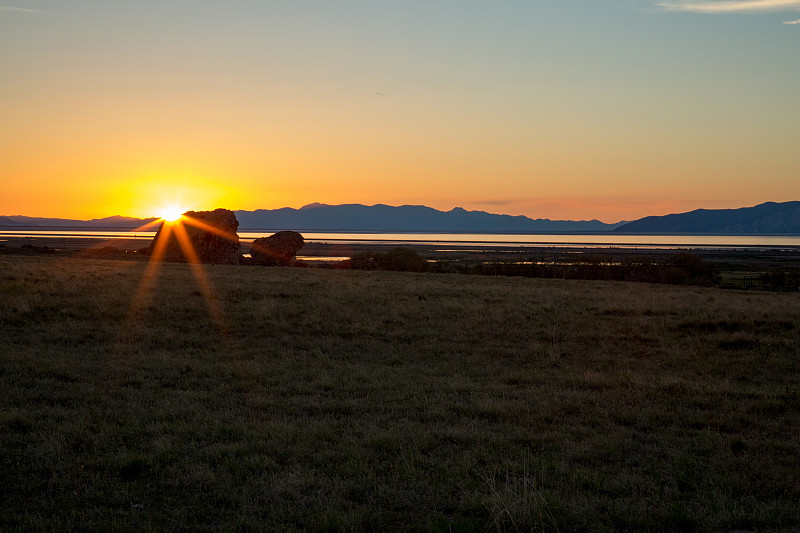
211	235
277	249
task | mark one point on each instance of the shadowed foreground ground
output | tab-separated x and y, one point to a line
331	400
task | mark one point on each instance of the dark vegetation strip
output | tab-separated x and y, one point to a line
682	268
776	271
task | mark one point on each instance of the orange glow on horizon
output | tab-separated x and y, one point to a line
166	195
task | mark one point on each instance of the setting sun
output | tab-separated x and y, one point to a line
171	213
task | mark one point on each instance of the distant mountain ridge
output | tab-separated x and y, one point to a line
349	217
386	218
769	217
766	218
107	222
5	221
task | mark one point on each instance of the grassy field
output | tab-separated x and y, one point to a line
307	399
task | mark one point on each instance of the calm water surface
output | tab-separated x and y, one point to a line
591	240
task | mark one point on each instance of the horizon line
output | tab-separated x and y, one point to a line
319	204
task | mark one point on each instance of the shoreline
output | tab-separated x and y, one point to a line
434	249
730	259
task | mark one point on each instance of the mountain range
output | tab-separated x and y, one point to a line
386	218
95	223
770	217
350	217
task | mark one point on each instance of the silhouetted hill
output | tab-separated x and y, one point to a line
357	217
349	217
107	222
770	217
5	221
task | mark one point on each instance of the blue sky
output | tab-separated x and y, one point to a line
609	109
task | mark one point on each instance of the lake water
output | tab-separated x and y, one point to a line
588	240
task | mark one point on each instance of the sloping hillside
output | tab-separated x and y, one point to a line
770	217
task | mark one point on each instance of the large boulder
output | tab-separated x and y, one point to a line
277	249
210	235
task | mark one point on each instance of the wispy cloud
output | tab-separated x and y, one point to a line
792	21
15	9
731	6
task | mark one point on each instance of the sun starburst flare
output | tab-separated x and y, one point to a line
171	213
174	226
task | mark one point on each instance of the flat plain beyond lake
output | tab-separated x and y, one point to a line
255	398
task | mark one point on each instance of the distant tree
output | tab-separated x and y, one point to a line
777	279
698	271
674	276
402	259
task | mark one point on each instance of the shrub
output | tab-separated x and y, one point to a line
400	259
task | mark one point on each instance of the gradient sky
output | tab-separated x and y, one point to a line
562	109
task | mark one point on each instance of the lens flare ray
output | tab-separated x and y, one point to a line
209	228
200	275
167	232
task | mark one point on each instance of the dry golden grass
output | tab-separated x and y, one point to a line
305	399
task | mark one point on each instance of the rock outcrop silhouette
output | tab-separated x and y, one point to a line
278	249
211	237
